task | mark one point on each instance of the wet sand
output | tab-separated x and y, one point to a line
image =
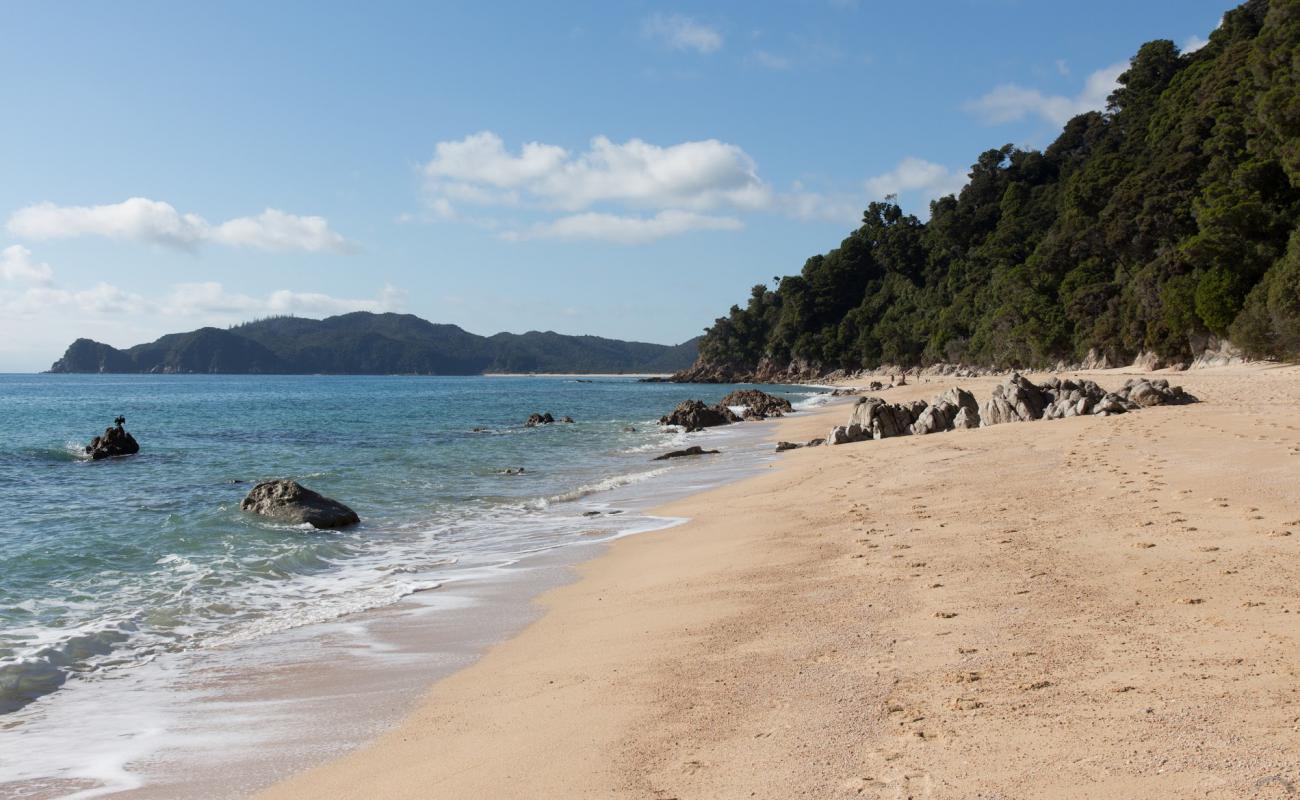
1089	607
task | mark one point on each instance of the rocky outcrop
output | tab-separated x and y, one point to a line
694	415
758	405
115	442
1215	352
690	451
288	501
544	419
1016	400
873	418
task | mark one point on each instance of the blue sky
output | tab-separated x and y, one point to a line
622	169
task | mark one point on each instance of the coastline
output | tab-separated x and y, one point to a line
178	726
932	614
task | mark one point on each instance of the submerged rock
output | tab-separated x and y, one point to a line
289	501
694	415
695	450
115	442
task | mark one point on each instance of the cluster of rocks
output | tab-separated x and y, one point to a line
1015	400
694	415
290	502
115	442
545	419
758	405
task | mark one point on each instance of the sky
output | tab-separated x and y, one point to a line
621	169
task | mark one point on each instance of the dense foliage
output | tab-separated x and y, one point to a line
1169	219
362	343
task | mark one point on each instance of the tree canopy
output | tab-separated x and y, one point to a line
1166	220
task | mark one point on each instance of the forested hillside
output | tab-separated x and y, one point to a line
362	343
1161	225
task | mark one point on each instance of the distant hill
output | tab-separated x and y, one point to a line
363	343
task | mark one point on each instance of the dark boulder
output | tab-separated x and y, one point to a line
115	442
288	501
758	405
694	415
690	451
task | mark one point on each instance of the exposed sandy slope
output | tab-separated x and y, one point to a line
1082	608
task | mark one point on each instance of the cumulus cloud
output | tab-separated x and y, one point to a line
17	265
926	179
140	219
210	298
625	229
103	298
696	175
1011	102
627	192
681	33
1193	43
37	294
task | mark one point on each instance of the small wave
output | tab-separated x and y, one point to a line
815	401
613	482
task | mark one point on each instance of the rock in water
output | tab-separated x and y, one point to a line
695	450
115	442
289	501
536	419
694	415
758	405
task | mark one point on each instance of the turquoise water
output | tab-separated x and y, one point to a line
112	564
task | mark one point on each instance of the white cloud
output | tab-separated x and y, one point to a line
629	192
625	229
16	265
103	298
681	33
210	298
1011	102
143	220
1062	67
40	296
916	175
698	175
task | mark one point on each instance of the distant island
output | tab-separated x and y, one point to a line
363	343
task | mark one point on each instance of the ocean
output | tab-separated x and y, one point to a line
129	577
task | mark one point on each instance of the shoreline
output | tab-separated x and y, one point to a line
189	713
747	650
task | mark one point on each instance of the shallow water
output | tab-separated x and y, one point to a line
110	566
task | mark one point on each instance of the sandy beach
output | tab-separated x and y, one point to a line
1081	608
